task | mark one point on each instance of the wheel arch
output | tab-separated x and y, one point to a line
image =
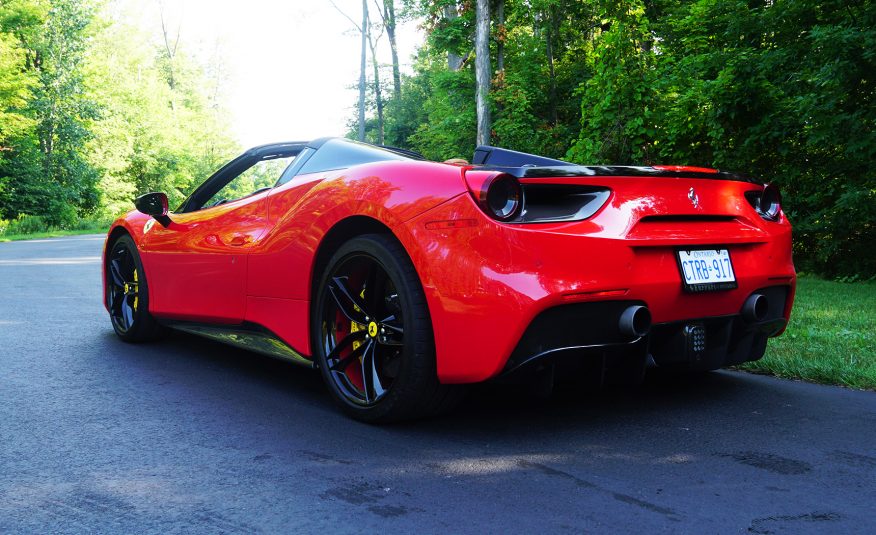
347	229
115	233
341	232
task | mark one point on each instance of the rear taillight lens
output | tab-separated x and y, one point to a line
771	202
504	198
767	202
499	195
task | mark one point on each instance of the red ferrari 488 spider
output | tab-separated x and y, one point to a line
401	279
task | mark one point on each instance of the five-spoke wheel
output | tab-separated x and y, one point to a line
363	331
372	333
126	296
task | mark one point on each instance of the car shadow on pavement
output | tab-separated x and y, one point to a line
728	451
195	358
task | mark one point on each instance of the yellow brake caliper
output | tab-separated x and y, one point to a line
354	327
136	297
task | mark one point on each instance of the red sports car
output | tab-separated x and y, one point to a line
402	279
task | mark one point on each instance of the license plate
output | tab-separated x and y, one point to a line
706	270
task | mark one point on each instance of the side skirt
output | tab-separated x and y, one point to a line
249	336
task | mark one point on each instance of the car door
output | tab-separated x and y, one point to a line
197	264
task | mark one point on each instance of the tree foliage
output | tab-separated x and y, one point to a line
782	90
92	113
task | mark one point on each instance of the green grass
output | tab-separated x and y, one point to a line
52	234
831	336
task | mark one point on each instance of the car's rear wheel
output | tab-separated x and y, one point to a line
372	334
127	294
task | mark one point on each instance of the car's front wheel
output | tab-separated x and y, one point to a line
127	295
372	334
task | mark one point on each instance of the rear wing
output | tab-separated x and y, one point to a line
523	165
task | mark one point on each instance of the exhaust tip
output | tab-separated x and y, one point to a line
635	321
755	308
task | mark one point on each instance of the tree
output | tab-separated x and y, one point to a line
482	71
363	30
615	112
387	15
378	91
48	174
779	89
16	83
153	134
364	33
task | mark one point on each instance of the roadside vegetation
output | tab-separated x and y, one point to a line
28	227
831	338
95	110
782	90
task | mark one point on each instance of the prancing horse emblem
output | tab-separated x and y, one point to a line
692	195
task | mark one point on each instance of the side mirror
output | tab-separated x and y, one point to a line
154	204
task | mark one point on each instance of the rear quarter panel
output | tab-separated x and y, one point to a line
303	211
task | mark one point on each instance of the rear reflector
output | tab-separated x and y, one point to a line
450	224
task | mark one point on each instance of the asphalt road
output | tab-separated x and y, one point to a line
189	436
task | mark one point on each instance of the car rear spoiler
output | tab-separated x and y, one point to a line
523	165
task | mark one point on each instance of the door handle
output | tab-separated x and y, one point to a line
240	239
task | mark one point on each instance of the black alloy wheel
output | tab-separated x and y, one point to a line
373	336
127	295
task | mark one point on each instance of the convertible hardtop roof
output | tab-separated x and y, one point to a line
285	148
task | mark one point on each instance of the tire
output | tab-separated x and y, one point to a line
127	293
378	368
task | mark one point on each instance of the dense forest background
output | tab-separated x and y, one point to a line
92	111
782	90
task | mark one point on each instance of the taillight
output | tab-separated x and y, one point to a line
499	195
504	198
767	202
771	202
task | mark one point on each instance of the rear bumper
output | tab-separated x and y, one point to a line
729	340
488	283
583	330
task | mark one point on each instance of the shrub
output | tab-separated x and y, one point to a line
27	224
92	223
63	216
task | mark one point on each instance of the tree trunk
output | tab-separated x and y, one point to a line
482	70
454	61
552	96
364	29
378	94
500	38
171	54
389	24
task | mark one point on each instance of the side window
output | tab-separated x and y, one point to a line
261	176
